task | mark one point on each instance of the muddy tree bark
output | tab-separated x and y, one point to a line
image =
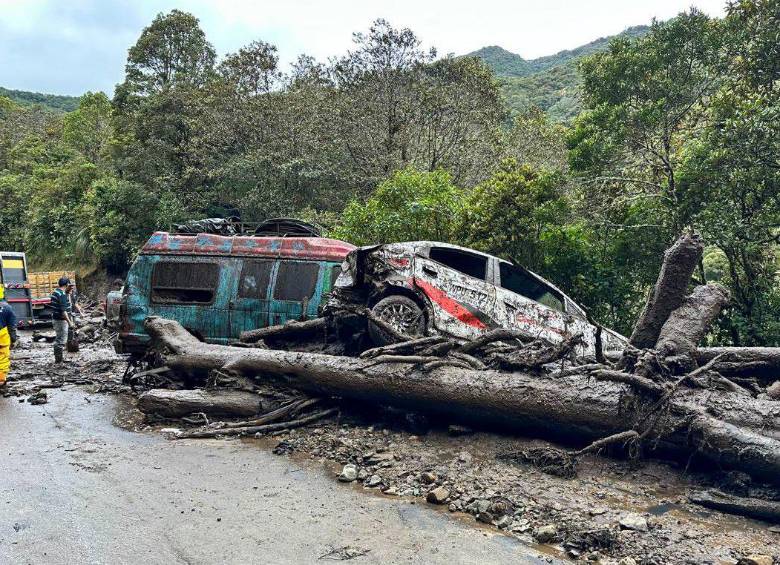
680	261
575	408
687	325
219	403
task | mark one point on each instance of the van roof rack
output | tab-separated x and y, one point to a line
275	227
287	227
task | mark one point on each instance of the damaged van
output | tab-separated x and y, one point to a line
218	286
426	287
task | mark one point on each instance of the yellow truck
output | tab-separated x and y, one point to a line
29	294
42	284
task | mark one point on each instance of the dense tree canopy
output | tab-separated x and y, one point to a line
679	128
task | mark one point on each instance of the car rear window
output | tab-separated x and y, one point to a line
255	278
296	281
467	263
520	282
184	283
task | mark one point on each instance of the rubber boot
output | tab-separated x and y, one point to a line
58	355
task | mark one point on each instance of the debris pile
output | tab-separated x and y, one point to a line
663	396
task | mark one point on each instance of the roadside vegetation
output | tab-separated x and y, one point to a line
679	128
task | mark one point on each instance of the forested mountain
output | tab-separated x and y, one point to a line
53	101
548	82
679	128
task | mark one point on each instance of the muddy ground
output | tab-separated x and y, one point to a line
612	512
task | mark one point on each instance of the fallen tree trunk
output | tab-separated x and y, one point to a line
292	329
762	363
573	408
219	403
752	507
680	260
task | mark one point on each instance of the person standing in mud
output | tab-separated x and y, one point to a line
62	318
8	336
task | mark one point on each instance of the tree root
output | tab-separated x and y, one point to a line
262	429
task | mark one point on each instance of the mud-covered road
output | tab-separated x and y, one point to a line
84	480
76	487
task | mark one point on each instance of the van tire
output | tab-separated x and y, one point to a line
403	313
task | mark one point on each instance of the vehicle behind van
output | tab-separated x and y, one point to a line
13	276
219	286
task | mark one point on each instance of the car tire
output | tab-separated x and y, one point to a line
401	312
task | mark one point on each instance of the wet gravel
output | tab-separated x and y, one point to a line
612	512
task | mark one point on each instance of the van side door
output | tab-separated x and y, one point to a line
250	307
456	283
296	290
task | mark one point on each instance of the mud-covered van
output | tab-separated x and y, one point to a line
218	286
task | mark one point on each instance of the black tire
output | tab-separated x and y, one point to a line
401	312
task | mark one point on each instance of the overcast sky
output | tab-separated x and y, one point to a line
71	46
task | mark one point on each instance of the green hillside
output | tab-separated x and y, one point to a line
549	82
53	101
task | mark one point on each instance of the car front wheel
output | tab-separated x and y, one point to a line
402	313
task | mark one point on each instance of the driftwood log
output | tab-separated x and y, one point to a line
729	429
768	510
218	403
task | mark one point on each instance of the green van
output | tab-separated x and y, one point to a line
218	286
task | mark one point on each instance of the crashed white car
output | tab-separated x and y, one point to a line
425	287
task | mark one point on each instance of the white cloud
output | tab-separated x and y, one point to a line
78	45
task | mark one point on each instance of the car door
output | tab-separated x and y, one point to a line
529	304
456	283
296	292
250	307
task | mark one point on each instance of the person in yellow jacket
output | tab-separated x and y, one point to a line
8	335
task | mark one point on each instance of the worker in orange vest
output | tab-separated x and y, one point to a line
8	335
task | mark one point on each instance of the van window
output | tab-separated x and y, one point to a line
520	282
296	281
255	277
467	263
184	283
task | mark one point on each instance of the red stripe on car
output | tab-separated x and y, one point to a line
452	307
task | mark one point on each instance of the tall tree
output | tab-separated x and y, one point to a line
377	105
172	50
644	99
88	128
732	171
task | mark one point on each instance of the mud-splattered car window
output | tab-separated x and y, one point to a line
255	278
184	283
467	263
520	282
296	281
